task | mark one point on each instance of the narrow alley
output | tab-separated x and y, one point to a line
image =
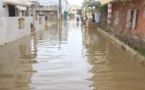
68	56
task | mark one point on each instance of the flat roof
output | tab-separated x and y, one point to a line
24	3
103	2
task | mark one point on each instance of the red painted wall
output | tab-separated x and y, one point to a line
123	7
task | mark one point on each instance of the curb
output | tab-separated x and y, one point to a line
138	57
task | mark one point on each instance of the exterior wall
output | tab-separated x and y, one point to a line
3	11
39	23
74	9
13	28
10	31
122	20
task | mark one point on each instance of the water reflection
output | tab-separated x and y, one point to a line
68	57
112	67
15	65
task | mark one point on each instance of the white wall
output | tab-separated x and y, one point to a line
74	8
9	30
39	26
3	11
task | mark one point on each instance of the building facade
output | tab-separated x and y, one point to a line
16	20
127	15
75	10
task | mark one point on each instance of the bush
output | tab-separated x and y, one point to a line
31	25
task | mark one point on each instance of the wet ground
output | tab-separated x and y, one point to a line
68	57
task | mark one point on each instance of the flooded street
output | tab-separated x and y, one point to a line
68	57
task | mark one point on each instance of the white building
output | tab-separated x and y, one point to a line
15	20
74	9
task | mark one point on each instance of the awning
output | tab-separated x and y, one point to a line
24	3
22	8
103	2
93	4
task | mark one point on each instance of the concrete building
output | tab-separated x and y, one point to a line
50	11
51	8
15	20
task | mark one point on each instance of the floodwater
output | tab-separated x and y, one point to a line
68	57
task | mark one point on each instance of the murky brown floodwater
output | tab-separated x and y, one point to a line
68	57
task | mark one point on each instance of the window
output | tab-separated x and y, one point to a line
116	16
131	18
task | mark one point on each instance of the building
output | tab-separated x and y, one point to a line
126	15
13	8
75	10
50	11
16	20
51	8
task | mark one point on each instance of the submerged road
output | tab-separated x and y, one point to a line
67	56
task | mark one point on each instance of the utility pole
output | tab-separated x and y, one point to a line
60	7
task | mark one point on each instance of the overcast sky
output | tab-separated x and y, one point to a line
76	2
50	2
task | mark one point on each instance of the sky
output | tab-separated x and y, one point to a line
45	2
76	2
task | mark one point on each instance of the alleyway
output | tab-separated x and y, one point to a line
68	57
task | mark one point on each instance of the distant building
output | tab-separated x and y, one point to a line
51	8
50	11
75	10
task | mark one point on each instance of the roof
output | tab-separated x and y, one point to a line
21	8
18	2
93	4
103	2
35	2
